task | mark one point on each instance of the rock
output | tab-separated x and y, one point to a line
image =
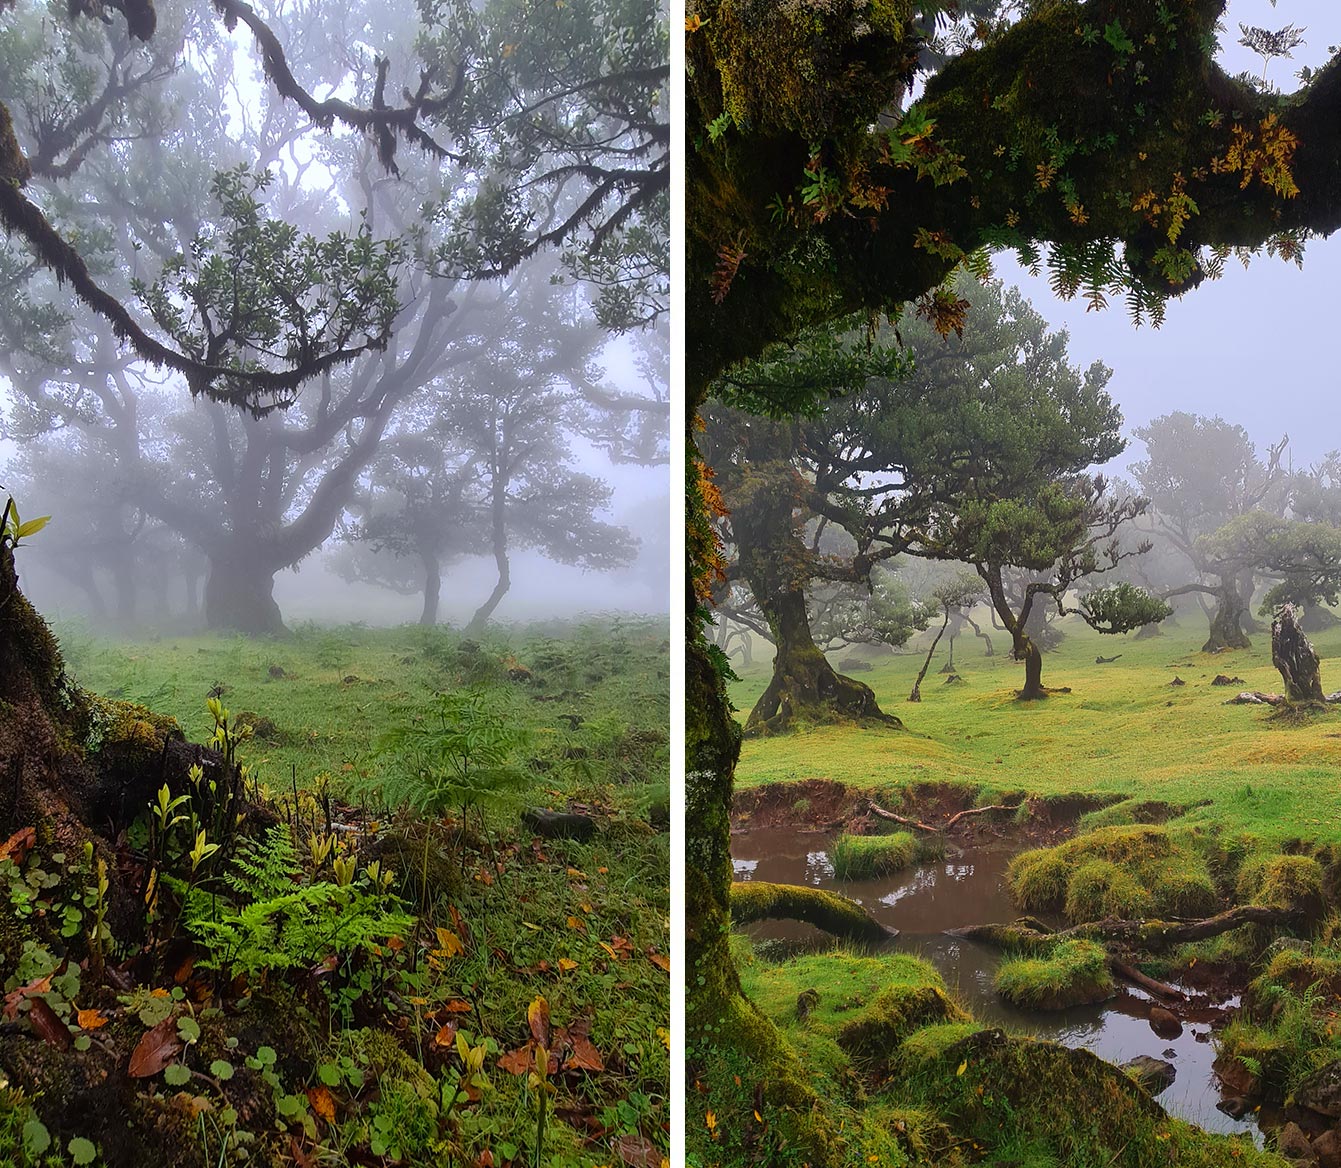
855	665
1165	1022
1221	679
1169	1052
1327	1148
1155	1075
1235	1076
1177	681
1236	1107
1294	1145
277	671
1321	1091
806	1001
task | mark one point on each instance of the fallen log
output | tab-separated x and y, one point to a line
757	900
1136	977
903	819
1140	934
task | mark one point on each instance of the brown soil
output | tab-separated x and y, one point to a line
826	805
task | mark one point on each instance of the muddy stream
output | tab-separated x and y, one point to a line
968	888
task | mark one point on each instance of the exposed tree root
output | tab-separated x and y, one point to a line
881	813
757	900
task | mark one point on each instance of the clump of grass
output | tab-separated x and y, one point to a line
1126	871
1284	882
1074	973
865	857
1099	888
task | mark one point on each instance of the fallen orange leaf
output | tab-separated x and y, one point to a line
91	1019
322	1103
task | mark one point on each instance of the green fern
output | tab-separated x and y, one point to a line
265	868
298	928
459	753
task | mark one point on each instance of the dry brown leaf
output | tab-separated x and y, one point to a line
18	845
638	1152
155	1050
516	1062
585	1057
47	1024
660	960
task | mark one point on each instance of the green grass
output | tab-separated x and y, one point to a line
583	925
1122	731
1073	973
864	857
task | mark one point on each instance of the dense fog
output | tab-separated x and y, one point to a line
483	433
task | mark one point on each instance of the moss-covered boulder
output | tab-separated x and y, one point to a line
873	1038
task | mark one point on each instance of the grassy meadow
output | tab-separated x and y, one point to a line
1122	729
416	1043
908	1077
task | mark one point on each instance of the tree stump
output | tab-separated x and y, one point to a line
1295	657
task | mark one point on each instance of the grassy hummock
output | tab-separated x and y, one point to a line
866	857
1075	973
1127	872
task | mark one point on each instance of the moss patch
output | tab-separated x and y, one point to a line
1125	871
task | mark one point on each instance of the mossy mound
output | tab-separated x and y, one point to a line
1065	1106
1075	973
866	857
1127	872
872	1039
1295	970
1284	882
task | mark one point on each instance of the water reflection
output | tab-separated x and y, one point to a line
968	890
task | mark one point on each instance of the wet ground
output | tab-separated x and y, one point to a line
968	888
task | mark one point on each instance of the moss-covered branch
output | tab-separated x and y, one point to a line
756	900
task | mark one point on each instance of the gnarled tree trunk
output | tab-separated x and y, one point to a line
804	685
1293	654
241	596
1227	620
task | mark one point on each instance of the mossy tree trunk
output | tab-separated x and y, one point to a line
776	565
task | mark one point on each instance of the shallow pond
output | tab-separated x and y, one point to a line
969	889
